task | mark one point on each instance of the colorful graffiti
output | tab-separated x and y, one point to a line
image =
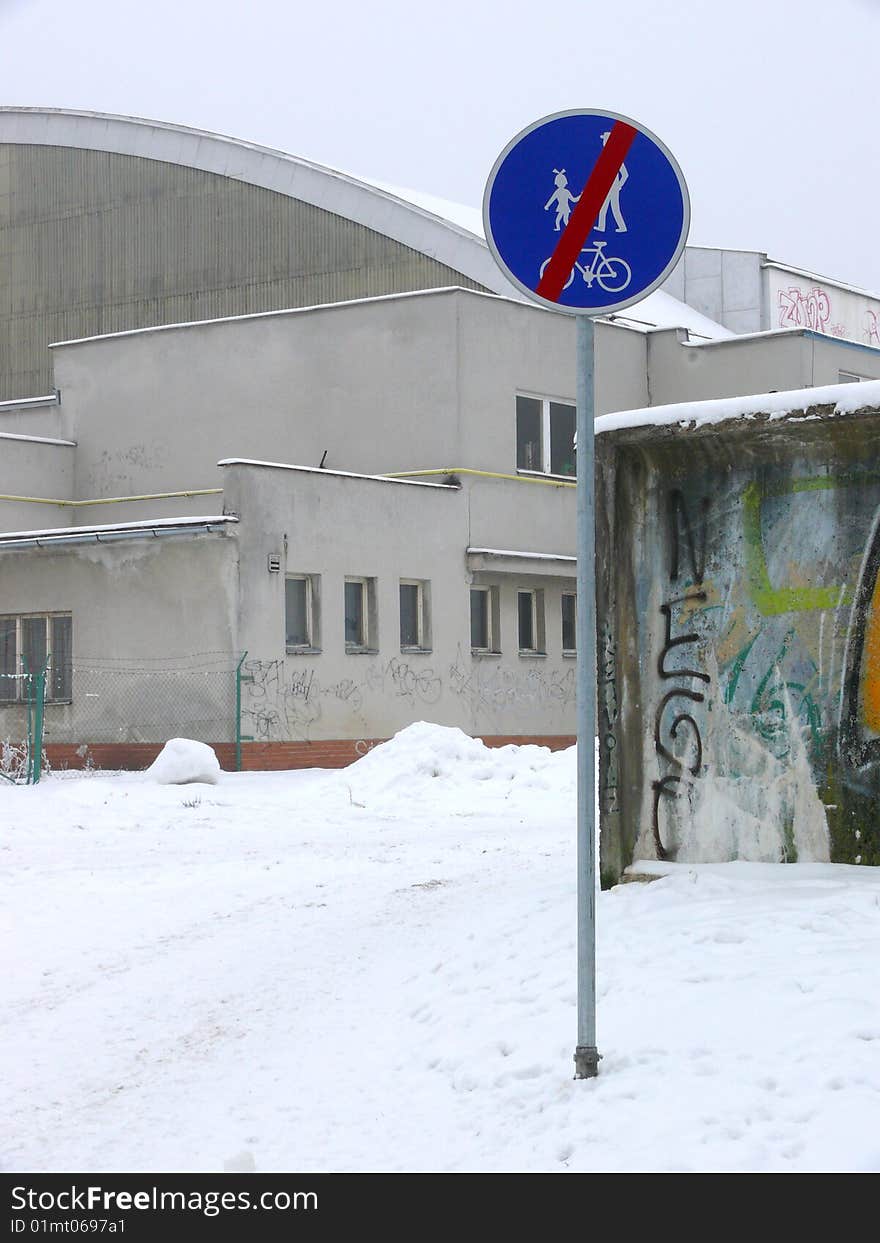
759	658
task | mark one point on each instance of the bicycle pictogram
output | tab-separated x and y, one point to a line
608	271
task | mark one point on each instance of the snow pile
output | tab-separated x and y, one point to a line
425	762
183	761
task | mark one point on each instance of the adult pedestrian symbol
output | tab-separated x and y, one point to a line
586	211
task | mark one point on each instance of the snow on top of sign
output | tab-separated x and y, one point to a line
846	398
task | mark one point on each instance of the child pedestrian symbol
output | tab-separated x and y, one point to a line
562	197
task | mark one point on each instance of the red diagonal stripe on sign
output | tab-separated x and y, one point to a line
582	219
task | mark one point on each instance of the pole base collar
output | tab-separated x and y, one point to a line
586	1061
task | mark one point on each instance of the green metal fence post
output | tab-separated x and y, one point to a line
238	713
40	699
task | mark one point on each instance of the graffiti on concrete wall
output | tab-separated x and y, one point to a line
872	327
859	732
804	308
829	309
678	742
763	659
609	710
488	687
283	703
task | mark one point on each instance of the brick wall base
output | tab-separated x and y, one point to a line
260	756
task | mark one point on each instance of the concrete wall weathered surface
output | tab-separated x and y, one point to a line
331	526
154	637
747	292
739	634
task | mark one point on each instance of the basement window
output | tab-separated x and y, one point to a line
29	643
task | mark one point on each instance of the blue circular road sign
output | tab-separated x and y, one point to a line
586	211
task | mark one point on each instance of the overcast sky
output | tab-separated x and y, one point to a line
770	106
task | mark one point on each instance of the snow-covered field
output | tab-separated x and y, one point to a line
374	969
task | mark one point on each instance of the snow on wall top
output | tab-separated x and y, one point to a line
846	399
143	524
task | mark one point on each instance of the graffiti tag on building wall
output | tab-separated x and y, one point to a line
278	703
800	308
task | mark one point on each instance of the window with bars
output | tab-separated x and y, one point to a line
30	643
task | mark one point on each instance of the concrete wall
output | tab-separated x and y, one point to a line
37	468
335	525
739	701
746	292
413	383
154	636
800	300
726	285
373	384
778	362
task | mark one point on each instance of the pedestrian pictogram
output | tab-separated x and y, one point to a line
586	211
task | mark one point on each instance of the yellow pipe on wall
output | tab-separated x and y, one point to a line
113	500
486	474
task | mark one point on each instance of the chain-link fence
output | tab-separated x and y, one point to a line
104	700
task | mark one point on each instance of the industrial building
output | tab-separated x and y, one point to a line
285	464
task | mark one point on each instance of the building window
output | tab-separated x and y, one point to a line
569	622
850	377
414	615
301	614
29	644
484	619
545	433
530	621
361	629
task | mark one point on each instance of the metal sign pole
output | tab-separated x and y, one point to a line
571	265
586	1056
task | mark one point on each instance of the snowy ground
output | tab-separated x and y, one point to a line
373	969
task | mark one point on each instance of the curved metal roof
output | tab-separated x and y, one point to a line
322	187
371	205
